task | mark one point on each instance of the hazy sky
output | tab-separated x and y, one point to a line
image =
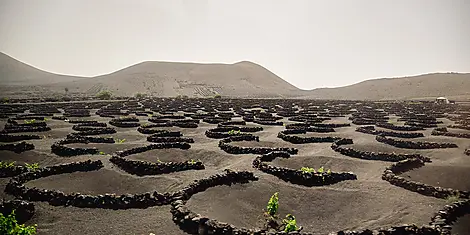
309	43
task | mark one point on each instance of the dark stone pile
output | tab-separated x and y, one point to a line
364	121
29	117
398	128
60	149
391	174
309	128
12	171
267	122
232	123
156	139
17	188
371	130
445	218
97	131
366	155
62	118
297	176
331	125
158	123
304	140
23	210
445	132
110	112
142	168
11	123
420	124
178	121
88	126
14	127
223	131
413	145
147	129
77	113
142	149
215	120
18	147
467	152
165	133
308	119
15	138
125	122
463	127
188	123
83	122
225	145
226	128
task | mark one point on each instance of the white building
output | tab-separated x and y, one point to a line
442	100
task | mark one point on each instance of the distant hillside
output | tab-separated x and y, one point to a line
427	86
17	73
244	79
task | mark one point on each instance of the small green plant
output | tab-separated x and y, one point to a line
306	170
320	170
102	153
46	119
234	132
120	141
140	95
32	166
192	161
9	226
290	223
159	161
273	205
30	121
7	164
5	100
104	95
453	198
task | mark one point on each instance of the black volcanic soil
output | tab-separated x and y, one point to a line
368	202
104	181
461	227
455	177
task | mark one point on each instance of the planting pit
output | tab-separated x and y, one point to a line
105	181
318	210
456	177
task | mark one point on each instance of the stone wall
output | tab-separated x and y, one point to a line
413	145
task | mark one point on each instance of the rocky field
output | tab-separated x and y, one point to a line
210	166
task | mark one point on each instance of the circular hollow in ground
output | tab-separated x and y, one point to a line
105	181
318	210
455	177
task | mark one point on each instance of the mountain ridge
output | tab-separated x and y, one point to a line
243	79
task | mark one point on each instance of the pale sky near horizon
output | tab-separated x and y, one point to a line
309	43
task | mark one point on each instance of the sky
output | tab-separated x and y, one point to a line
309	43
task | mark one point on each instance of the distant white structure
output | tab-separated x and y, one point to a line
442	100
